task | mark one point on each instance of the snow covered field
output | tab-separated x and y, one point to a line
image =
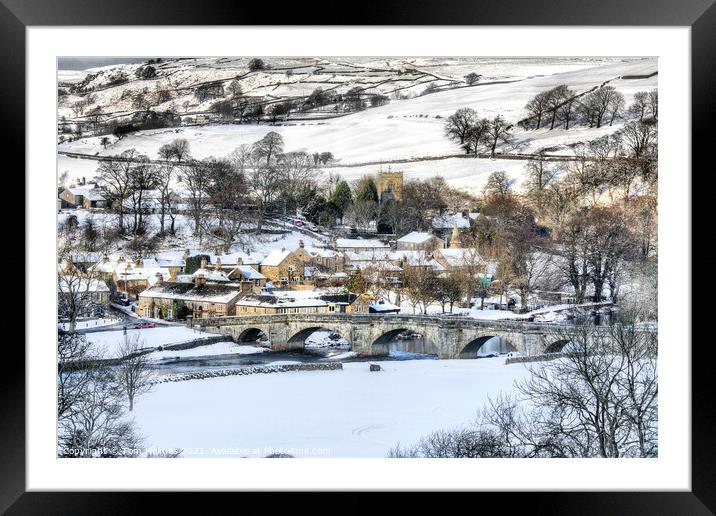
83	324
348	413
110	341
403	129
216	349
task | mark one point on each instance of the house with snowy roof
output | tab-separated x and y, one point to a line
283	268
200	299
132	278
246	273
87	293
360	245
86	196
418	241
415	259
301	301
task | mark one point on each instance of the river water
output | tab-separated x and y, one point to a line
398	350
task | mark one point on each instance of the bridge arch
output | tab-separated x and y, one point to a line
557	346
298	338
381	344
473	347
250	335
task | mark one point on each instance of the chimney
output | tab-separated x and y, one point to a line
172	275
203	263
160	278
239	261
217	266
121	258
300	244
105	258
138	263
199	280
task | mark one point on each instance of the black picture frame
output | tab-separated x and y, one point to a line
699	15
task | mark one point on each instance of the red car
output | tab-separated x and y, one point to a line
142	325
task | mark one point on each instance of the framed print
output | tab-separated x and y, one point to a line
441	249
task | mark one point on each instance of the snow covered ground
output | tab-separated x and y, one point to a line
218	348
84	324
348	413
108	342
403	129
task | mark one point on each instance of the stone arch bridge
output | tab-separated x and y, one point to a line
369	334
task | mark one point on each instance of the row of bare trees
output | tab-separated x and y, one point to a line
220	195
473	133
561	107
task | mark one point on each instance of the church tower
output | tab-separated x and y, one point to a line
455	238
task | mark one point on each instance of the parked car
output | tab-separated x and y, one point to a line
142	326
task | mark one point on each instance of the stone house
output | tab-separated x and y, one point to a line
283	268
172	300
132	279
246	273
83	196
302	301
419	241
87	293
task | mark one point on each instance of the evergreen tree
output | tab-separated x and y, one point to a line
366	190
342	196
357	283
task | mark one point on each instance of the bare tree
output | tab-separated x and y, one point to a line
91	421
76	291
574	255
654	104
559	99
134	371
639	137
498	130
602	101
144	178
165	174
476	135
538	106
269	147
499	183
177	150
96	425
459	123
72	349
472	78
115	179
640	105
195	180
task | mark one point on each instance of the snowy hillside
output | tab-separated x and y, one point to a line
409	129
